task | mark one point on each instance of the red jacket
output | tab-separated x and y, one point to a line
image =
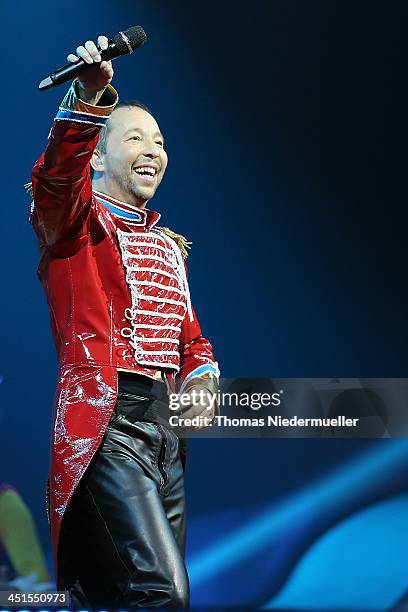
117	292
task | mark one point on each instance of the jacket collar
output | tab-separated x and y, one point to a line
141	217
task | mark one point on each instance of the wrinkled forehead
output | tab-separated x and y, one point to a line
127	118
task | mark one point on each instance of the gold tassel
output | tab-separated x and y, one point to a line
181	241
29	189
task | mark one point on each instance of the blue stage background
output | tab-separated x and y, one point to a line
282	122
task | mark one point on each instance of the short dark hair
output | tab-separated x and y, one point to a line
103	135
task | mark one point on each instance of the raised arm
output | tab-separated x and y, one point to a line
61	180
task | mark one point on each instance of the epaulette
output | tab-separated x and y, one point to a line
181	241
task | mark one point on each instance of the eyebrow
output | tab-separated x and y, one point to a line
134	129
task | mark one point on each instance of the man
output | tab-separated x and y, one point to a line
124	327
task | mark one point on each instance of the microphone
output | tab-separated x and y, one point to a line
122	44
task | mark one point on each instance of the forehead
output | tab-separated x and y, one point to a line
128	118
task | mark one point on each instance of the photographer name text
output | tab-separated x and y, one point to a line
270	421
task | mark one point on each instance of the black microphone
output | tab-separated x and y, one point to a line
122	44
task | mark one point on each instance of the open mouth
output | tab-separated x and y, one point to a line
146	173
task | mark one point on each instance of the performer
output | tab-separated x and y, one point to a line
124	327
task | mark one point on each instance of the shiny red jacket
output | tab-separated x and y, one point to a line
117	292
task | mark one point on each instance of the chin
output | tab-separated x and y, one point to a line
143	194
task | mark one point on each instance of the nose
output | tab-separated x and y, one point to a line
151	149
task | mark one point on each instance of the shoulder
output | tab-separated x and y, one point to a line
179	240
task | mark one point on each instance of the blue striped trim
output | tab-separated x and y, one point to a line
119	212
201	370
67	115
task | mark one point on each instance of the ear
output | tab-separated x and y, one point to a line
97	161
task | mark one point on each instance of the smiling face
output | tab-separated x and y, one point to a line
134	160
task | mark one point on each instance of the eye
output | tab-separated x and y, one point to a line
135	138
160	143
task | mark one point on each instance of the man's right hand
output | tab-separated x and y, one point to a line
92	82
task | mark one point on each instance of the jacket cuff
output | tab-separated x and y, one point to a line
73	109
207	371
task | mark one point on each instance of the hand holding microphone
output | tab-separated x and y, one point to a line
93	81
96	77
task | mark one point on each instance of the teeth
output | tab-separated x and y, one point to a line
146	170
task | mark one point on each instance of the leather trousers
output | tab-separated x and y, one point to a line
123	536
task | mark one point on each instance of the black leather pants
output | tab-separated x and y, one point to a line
123	537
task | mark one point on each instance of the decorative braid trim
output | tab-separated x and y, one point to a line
181	241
